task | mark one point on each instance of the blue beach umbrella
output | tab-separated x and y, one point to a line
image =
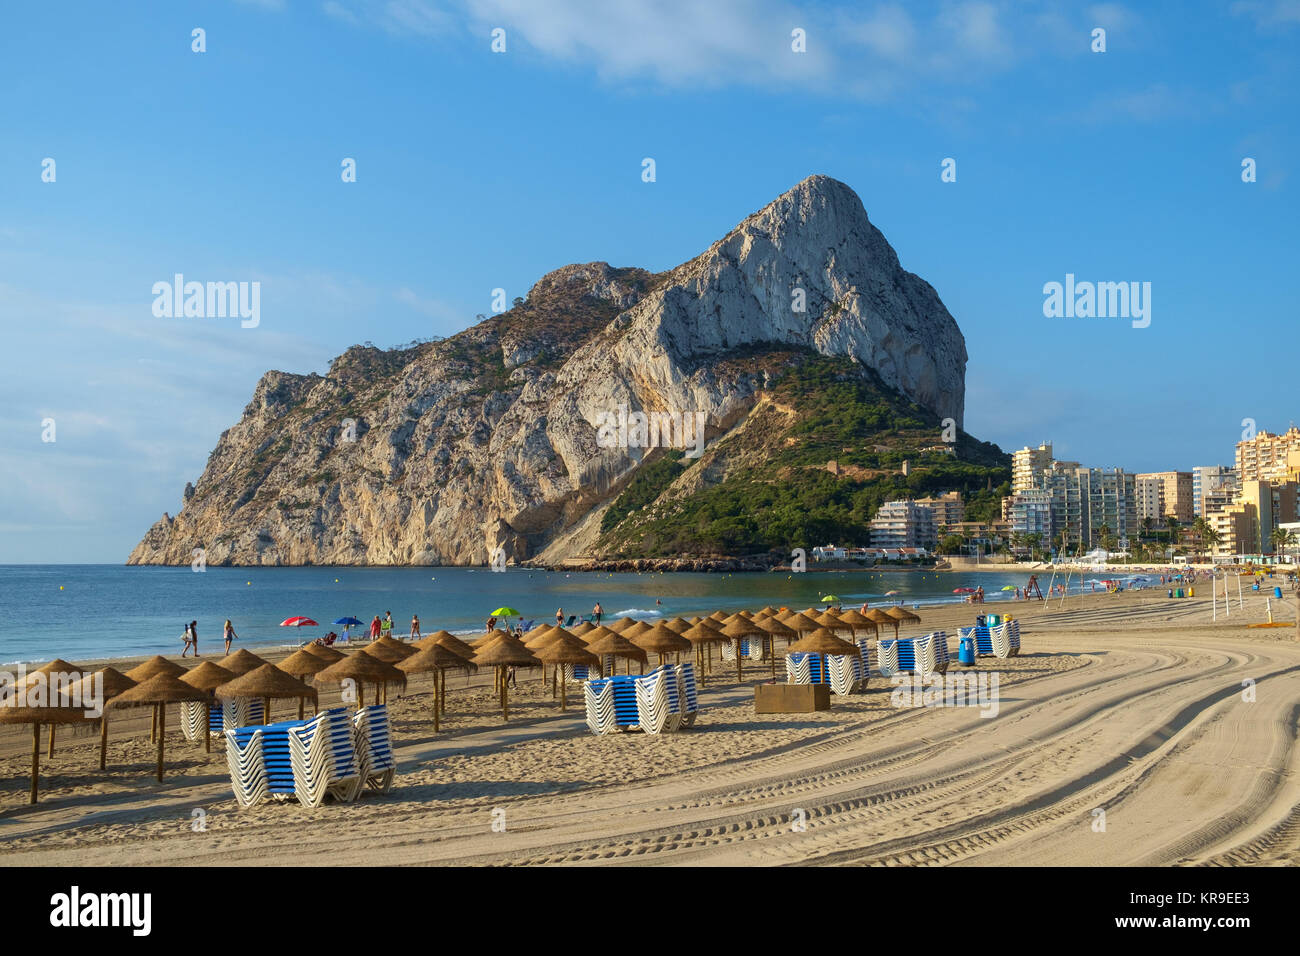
349	622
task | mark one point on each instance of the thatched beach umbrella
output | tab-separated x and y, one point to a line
822	641
661	639
703	635
159	691
13	710
678	625
622	622
581	628
879	617
328	654
303	664
434	659
738	628
858	622
63	674
635	628
391	653
108	683
899	616
565	650
362	669
615	645
774	629
207	677
719	616
239	663
501	654
152	668
269	683
430	639
455	645
800	622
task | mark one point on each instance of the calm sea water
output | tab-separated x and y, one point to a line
83	612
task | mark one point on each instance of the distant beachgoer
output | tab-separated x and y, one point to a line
510	677
491	624
657	601
415	626
194	637
347	633
598	611
559	617
185	638
375	627
387	626
227	632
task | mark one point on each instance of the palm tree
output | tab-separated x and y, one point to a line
1033	540
1281	537
1199	527
1148	523
1210	537
1172	524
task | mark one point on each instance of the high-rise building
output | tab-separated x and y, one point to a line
1029	466
902	524
1029	512
1265	456
1163	494
1084	500
1207	480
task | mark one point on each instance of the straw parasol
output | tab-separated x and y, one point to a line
565	650
503	653
391	653
703	635
153	667
822	641
718	616
775	629
239	663
455	645
898	616
828	619
798	621
635	628
878	617
207	677
328	654
159	691
107	683
621	623
60	670
738	627
661	639
610	644
13	710
302	664
678	625
430	639
857	621
434	659
362	669
581	628
269	683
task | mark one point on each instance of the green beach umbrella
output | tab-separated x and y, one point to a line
831	599
506	612
1009	587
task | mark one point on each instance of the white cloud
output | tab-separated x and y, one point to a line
1268	14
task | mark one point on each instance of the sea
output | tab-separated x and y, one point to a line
94	612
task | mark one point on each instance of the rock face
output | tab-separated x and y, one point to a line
444	452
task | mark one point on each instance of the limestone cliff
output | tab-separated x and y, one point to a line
442	452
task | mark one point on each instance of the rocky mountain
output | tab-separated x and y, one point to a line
511	435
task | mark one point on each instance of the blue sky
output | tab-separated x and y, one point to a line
478	170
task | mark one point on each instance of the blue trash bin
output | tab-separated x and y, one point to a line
966	651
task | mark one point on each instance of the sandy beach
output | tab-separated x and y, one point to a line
1128	703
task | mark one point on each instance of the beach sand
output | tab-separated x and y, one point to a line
1129	703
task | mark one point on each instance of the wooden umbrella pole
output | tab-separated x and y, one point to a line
52	726
36	759
153	728
555	670
162	731
103	740
437	700
207	727
564	696
302	704
266	710
739	674
442	691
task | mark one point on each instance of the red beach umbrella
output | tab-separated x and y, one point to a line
299	622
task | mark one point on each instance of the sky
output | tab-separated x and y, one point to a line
478	170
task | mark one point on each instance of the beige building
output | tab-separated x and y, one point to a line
1265	456
947	509
1029	466
1161	494
1235	526
1246	526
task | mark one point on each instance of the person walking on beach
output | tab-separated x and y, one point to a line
374	629
185	638
194	637
510	677
227	632
597	611
559	617
387	627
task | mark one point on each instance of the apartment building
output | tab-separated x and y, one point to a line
1264	457
1163	494
903	524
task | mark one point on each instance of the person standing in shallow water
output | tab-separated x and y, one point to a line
415	626
227	632
596	612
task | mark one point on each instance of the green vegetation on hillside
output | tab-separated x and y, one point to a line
787	497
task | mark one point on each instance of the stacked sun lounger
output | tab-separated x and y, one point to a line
983	639
323	755
1003	641
374	747
663	700
333	754
750	649
846	673
913	655
578	672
